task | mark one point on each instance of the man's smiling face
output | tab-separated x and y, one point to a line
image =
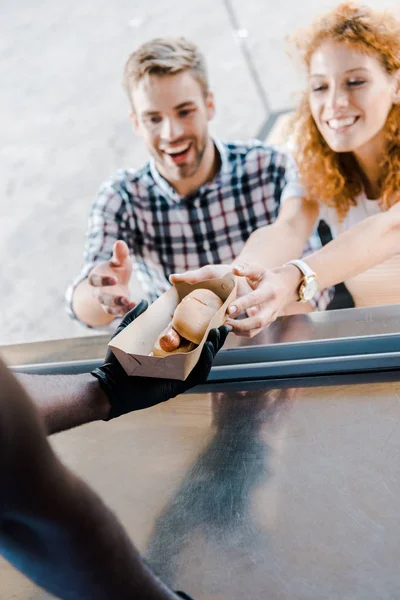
172	114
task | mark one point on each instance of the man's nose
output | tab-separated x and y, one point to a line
171	130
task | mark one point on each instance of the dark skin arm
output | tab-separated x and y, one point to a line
66	401
52	526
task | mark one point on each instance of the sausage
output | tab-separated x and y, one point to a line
170	340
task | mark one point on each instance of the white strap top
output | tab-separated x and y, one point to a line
381	284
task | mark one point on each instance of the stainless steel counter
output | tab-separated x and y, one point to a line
329	326
285	489
353	340
287	494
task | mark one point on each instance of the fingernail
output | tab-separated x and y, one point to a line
110	281
229	327
238	267
125	302
232	310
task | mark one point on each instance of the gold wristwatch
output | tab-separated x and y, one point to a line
309	284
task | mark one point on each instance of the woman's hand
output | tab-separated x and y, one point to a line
271	291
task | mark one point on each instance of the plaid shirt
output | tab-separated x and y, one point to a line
168	233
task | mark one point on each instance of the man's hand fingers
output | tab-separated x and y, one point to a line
256	298
133	314
120	254
202	274
101	280
114	301
117	312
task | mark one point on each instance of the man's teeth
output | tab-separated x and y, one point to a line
177	149
338	123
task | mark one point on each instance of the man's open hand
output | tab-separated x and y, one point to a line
109	281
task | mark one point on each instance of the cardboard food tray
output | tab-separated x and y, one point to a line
133	345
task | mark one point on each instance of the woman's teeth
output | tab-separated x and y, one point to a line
339	123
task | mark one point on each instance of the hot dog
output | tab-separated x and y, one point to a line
170	340
191	318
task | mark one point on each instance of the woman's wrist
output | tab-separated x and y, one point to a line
290	277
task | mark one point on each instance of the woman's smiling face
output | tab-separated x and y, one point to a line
350	96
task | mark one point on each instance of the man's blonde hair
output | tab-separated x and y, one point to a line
165	56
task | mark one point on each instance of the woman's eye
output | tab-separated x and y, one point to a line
155	120
355	82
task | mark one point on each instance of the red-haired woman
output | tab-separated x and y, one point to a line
347	146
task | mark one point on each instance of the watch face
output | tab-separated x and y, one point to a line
310	289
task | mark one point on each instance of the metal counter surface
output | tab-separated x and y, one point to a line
282	494
330	329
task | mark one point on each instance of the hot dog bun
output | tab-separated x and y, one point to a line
190	321
193	315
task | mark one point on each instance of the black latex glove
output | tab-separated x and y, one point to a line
184	596
127	393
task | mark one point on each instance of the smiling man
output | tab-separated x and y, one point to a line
197	202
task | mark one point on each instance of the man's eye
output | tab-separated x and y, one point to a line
185	112
319	88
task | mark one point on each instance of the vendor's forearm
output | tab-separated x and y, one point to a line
66	401
272	245
362	247
87	308
53	527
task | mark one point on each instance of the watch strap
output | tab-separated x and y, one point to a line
303	267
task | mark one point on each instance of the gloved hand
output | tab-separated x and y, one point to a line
127	393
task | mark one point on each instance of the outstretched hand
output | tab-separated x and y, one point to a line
127	393
109	281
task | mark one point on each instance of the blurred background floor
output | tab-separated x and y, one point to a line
65	128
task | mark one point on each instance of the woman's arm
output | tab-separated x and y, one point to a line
260	292
367	244
363	246
273	245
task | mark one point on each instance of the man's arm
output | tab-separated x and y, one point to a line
44	506
101	291
104	295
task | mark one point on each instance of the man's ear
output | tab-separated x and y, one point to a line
135	121
210	105
396	92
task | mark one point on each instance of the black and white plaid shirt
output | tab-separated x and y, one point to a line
168	233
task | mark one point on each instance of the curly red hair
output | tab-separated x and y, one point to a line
339	182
